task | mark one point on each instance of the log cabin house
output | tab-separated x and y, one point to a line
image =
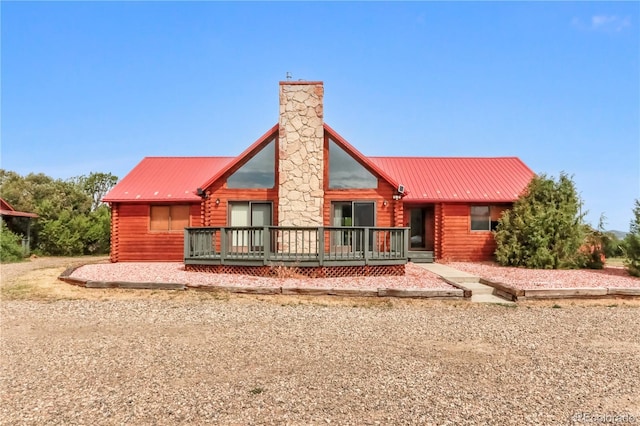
302	195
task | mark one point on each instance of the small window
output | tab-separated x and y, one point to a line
258	172
480	218
346	173
169	218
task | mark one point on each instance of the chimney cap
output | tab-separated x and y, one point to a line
301	82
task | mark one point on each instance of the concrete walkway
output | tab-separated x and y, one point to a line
480	293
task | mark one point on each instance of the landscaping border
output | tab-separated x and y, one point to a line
418	293
515	294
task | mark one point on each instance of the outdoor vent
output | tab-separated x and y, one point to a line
400	189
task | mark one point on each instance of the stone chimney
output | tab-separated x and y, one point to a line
301	162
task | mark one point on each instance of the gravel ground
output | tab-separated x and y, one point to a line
548	278
276	360
173	272
10	271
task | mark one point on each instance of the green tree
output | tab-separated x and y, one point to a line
72	219
545	228
96	186
612	245
632	243
10	245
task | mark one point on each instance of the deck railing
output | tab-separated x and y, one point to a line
300	246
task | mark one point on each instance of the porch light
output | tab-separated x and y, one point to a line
385	203
396	197
217	201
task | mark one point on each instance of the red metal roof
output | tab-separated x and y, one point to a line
426	179
166	179
473	179
7	209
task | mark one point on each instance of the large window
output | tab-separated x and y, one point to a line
248	214
480	218
169	218
346	173
352	213
258	172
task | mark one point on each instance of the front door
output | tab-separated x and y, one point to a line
422	227
417	241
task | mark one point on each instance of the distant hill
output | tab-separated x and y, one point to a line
619	234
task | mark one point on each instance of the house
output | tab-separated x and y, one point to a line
302	192
11	215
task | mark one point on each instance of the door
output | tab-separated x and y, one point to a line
249	214
364	214
417	234
260	216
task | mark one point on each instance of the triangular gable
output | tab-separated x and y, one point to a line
5	206
7	209
358	156
245	156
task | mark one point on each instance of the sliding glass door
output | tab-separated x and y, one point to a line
251	214
349	214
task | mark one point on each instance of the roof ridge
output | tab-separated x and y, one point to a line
187	156
441	157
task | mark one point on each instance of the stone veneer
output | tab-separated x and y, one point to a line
301	162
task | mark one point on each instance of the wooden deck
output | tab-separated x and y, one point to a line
296	246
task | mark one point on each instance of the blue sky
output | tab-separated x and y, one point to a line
90	86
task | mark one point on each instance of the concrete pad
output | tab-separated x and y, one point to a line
449	273
490	298
477	288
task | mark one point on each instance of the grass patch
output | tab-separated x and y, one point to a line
256	391
615	261
556	306
506	305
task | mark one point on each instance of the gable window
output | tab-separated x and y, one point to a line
346	173
169	218
480	218
258	172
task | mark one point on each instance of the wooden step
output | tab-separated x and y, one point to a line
421	256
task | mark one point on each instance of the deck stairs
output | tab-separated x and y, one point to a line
420	256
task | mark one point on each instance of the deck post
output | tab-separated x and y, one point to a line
405	237
365	246
266	244
223	245
320	242
187	243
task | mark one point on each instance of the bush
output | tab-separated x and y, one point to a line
10	245
545	229
612	245
632	244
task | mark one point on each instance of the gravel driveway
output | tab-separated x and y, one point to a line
282	360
